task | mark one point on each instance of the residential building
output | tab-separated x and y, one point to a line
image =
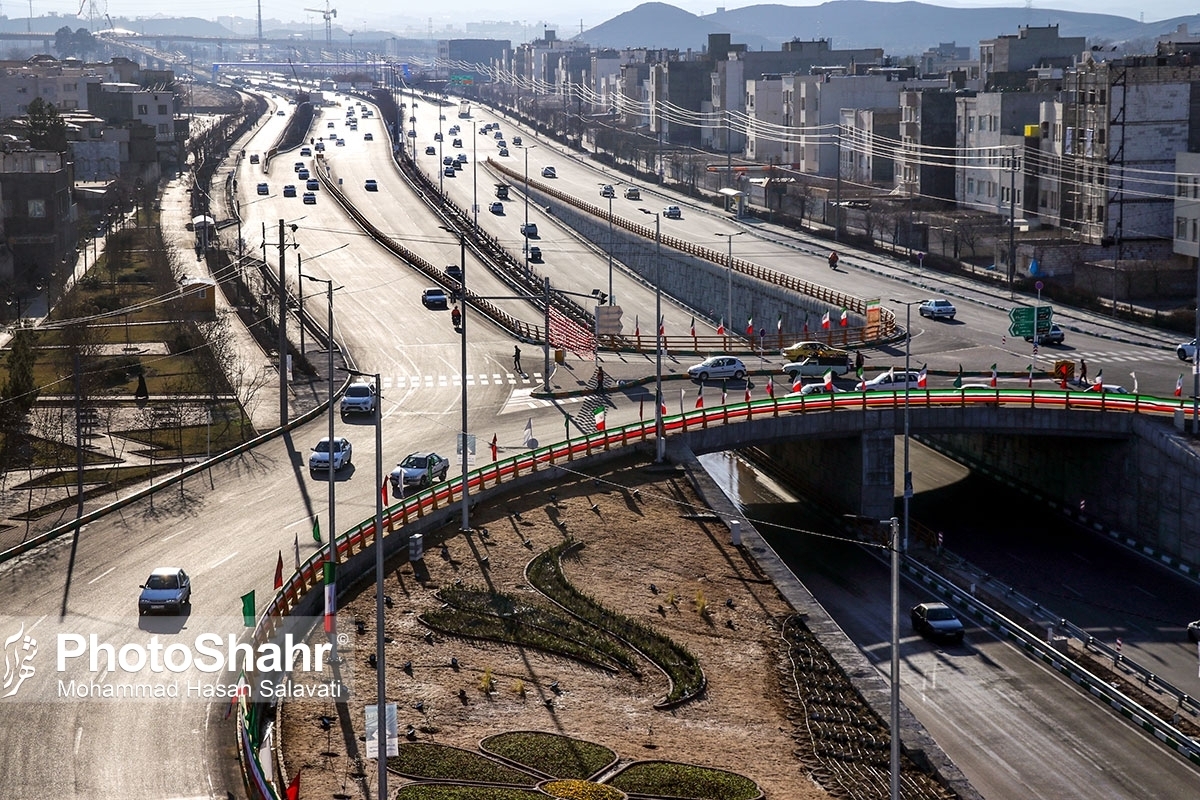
39	216
1186	241
764	107
1028	49
925	162
990	144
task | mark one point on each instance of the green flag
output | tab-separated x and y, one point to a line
958	380
317	530
248	609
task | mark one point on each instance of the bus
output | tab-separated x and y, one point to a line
205	228
464	110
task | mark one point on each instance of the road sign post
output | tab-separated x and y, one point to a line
1023	319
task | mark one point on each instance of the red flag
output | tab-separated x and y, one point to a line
721	327
1179	386
747	391
750	325
845	317
992	382
922	378
293	788
825	321
1098	386
495	447
693	327
637	326
1063	383
770	387
798	383
383	493
700	397
662	405
279	571
806	326
829	379
662	326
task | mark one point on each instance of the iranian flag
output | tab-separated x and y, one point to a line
825	321
992	383
845	317
662	326
723	393
1179	386
637	326
1098	386
330	599
662	405
779	324
770	387
700	397
747	391
829	380
693	327
958	381
721	327
599	418
922	378
798	383
750	325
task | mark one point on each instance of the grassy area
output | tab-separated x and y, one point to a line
439	762
551	754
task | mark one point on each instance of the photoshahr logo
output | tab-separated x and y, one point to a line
19	651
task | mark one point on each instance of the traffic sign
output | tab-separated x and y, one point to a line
1022	319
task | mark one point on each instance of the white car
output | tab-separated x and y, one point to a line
817	367
718	368
360	397
608	191
890	381
938	308
672	212
549	172
814	389
1186	351
319	460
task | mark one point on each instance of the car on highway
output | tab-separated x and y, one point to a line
359	397
437	137
673	212
254	159
312	184
370	185
281	113
431	151
535	254
529	230
496	208
319	458
448	161
890	381
456	143
320	147
449	171
368	137
419	469
1193	631
937	308
937	621
718	368
310	198
1186	351
340	142
498	134
814	389
167	589
461	159
434	298
504	151
549	172
817	366
802	350
633	193
264	189
303	175
607	191
289	190
329	124
299	165
1053	336
516	141
305	151
454	271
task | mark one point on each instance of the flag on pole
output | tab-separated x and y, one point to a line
723	395
297	546
662	404
681	395
922	378
958	380
845	317
779	324
1179	386
825	321
662	326
279	571
750	325
858	373
1098	386
293	788
992	383
495	447
330	598
721	327
797	382
637	326
1029	369
829	380
747	391
770	387
248	609
317	530
693	326
529	433
600	418
383	493
806	325
700	397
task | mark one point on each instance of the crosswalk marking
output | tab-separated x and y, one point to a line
445	381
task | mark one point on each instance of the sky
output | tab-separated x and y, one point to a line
565	15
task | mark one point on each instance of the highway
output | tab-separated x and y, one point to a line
229	529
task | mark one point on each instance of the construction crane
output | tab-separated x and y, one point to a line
328	14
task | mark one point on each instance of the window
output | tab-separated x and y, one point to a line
162	109
970	186
143	109
162	129
37	209
1181	227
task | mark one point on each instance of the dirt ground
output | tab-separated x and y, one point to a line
740	723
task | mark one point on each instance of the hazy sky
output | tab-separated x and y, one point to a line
565	15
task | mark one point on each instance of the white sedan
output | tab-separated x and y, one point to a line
938	308
890	381
718	368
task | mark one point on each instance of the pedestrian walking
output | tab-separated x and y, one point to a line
858	360
1083	371
517	359
833	259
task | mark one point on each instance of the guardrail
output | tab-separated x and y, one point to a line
427	506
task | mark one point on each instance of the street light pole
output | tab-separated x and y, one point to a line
895	698
908	487
527	148
729	278
660	444
329	346
462	332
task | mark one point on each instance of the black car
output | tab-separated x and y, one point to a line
454	271
434	298
937	621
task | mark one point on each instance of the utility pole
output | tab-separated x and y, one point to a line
1012	227
283	349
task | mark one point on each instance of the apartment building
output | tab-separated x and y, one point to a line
1026	50
990	134
1186	241
925	162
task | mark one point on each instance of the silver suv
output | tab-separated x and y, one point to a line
359	397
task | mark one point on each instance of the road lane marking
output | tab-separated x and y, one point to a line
101	575
223	560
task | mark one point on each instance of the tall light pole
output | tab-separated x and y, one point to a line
611	301
527	148
329	345
908	486
660	445
380	668
441	158
474	177
283	349
729	279
462	332
895	698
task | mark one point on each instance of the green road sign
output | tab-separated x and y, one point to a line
1022	319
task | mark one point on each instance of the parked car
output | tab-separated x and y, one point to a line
535	254
1053	336
718	368
310	198
938	308
319	458
529	230
371	185
673	212
802	350
289	190
549	172
496	208
608	191
817	366
419	469
167	589
890	381
359	397
1186	351
633	193
434	298
937	621
264	189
